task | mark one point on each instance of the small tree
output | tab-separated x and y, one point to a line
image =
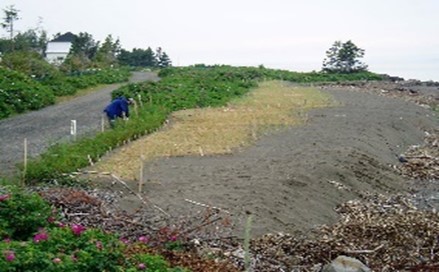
108	51
344	58
11	15
84	45
163	59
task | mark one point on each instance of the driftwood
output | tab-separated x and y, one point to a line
205	205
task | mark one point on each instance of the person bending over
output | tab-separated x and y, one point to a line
118	108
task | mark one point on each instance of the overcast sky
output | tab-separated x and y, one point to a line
401	37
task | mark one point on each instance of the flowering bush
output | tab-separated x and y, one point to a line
33	240
22	214
66	249
19	93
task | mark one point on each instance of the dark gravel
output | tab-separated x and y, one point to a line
52	124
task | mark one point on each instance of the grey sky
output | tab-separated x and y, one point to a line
400	37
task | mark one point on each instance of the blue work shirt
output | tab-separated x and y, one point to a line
117	107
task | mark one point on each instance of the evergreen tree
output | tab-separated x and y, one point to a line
124	57
149	58
164	61
144	58
344	58
108	51
31	40
84	46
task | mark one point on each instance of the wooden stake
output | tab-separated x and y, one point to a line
138	195
135	109
102	123
25	162
140	100
141	174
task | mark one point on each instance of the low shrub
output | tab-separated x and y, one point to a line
22	214
68	85
32	244
19	93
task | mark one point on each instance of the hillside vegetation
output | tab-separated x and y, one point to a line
20	93
180	88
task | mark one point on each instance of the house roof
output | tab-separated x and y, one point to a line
67	37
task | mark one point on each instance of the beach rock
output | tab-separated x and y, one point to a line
346	264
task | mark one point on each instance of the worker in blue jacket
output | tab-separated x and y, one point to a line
118	108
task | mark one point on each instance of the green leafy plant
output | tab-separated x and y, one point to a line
19	93
22	214
34	243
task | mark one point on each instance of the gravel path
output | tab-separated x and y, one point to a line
52	124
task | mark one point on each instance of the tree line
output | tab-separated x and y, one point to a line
342	57
21	48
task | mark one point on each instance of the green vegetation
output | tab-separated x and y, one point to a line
144	58
21	214
32	239
20	93
180	88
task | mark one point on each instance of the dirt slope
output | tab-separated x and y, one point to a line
52	124
293	179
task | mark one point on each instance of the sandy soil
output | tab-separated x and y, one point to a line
52	124
292	180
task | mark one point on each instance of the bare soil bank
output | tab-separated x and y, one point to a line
292	180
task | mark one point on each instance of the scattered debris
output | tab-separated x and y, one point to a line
422	161
386	234
424	94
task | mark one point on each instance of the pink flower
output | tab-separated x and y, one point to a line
173	238
61	225
7	240
144	239
3	197
99	245
141	266
10	256
57	260
51	219
77	229
124	240
41	236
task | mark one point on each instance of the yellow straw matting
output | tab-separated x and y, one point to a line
207	131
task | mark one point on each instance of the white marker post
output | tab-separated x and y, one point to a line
73	129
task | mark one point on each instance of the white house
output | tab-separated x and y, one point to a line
58	48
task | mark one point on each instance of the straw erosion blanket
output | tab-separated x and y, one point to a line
293	179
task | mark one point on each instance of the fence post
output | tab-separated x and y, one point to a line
102	123
141	174
24	163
